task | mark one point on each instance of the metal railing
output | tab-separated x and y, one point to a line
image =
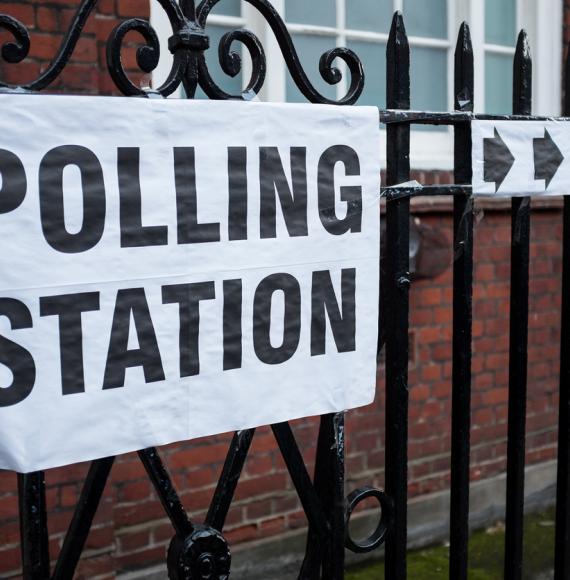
200	550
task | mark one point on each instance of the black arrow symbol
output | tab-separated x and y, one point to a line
498	160
547	158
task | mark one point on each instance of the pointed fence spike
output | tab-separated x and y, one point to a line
398	65
522	75
464	74
566	107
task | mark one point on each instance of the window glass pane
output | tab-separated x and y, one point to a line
426	18
373	57
225	82
373	15
429	81
429	78
498	83
318	12
500	22
227	8
310	49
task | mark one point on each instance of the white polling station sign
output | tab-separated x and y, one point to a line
174	269
516	158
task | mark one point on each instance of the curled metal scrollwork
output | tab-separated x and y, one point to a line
147	55
17	51
188	44
230	62
378	536
330	74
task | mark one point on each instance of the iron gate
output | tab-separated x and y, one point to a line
200	550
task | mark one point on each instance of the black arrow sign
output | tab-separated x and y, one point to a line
498	160
547	158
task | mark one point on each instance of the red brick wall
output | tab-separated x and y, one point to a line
131	530
48	22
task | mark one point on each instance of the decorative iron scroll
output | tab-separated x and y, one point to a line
188	44
200	550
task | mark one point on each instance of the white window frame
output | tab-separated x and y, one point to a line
429	151
542	19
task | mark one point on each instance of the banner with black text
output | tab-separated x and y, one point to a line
520	158
172	269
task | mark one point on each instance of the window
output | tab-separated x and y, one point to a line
363	26
500	36
494	26
432	26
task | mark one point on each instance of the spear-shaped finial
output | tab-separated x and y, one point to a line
398	65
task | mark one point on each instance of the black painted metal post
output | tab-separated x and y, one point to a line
398	285
165	490
333	561
227	483
462	315
34	541
325	547
520	250
80	526
562	545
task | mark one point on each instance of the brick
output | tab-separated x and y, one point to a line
22	12
8	507
133	514
133	541
431	373
141	559
135	491
10	558
430	297
273	526
131	8
128	468
106	7
99	567
260	485
258	509
101	537
69	494
259	464
198	456
8	482
47	19
419	392
242	534
85	50
44	46
9	532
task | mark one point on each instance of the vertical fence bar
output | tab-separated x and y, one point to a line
331	488
462	315
325	547
562	543
398	285
33	526
518	339
82	520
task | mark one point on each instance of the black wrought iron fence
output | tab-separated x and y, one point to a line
199	550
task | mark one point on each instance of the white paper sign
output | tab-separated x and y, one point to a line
174	269
516	158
